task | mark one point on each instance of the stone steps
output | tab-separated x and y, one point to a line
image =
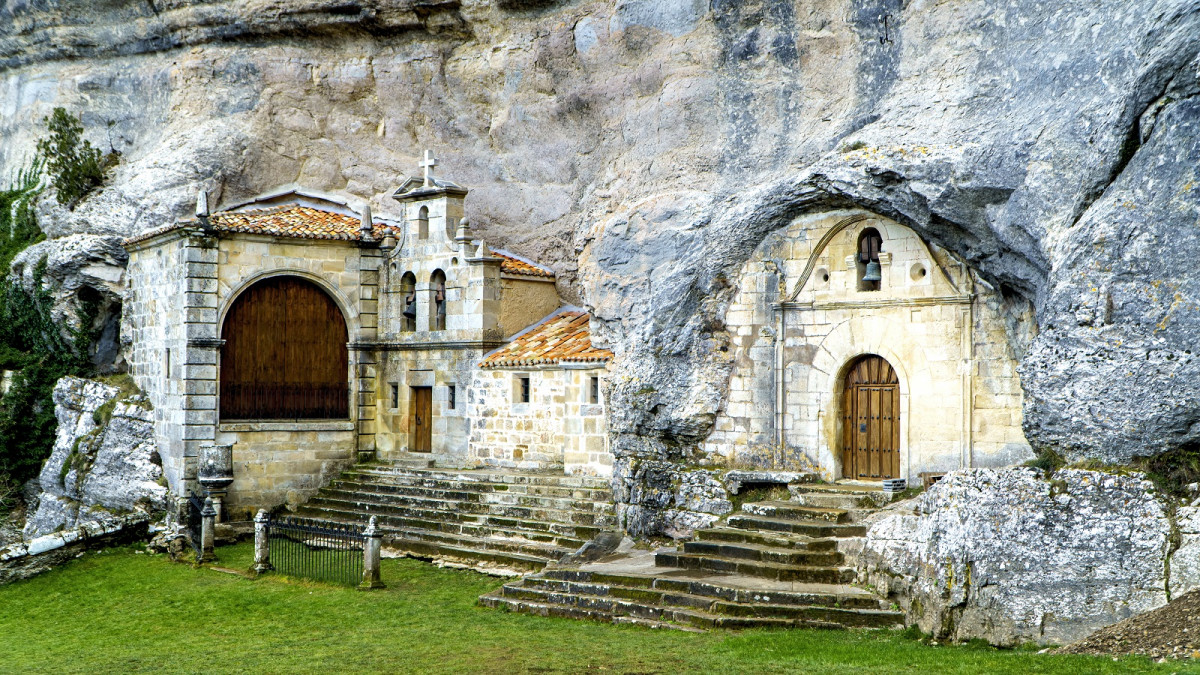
819	574
813	529
686	603
760	553
765	539
794	511
459	510
467	501
496	522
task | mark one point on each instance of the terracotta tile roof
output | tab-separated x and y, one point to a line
513	265
293	220
563	338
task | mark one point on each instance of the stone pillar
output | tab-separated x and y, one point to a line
262	551
371	548
208	522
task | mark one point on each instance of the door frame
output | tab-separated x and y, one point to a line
850	398
414	413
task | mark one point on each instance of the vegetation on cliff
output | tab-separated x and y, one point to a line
36	347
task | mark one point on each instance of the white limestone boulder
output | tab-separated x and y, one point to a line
97	471
1009	556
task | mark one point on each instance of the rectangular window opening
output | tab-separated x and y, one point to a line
395	396
524	391
593	389
451	398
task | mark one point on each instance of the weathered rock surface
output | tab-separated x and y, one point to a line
646	147
97	472
1008	556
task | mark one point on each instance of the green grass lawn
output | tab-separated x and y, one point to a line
123	611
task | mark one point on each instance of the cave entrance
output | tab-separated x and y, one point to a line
871	420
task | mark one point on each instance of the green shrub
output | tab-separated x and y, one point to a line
1048	461
1174	470
74	165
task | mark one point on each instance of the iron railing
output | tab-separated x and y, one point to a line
316	550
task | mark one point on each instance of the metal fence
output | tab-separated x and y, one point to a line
316	550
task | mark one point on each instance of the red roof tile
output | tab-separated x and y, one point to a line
514	265
563	338
293	220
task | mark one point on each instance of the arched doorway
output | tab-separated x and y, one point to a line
871	420
285	354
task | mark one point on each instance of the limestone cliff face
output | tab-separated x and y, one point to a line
646	147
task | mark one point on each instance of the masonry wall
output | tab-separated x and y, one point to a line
959	392
558	427
436	368
283	462
153	328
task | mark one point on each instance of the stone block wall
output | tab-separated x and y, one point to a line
153	324
283	462
436	368
558	427
794	337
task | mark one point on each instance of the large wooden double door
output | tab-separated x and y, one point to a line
871	421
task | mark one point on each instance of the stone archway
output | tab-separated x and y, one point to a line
285	353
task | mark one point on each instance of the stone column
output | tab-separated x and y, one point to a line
208	522
371	548
262	551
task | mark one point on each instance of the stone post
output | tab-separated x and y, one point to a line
262	552
208	522
371	547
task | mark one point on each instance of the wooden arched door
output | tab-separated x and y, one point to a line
285	354
871	420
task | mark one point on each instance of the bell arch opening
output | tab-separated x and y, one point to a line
284	354
870	420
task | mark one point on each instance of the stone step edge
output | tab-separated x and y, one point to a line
732	521
568	612
695	618
604	506
465	486
714	604
544	529
585	482
716	591
756	565
804	542
419	549
388	530
457	516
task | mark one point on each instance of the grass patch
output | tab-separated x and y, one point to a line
1048	461
122	611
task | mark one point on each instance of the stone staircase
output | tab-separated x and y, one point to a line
774	563
493	521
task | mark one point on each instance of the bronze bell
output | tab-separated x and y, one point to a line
410	307
872	272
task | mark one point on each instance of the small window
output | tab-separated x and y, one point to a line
395	396
438	281
423	223
167	363
593	389
523	389
867	259
451	398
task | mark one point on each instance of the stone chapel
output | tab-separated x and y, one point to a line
308	334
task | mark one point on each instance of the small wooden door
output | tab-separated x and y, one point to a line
422	419
871	421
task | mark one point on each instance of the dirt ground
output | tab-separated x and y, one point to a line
1172	631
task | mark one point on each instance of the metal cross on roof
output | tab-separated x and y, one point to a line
428	163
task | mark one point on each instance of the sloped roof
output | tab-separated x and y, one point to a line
523	266
561	338
292	220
